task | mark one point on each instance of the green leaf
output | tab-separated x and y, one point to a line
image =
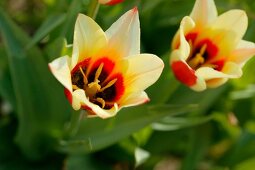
68	27
241	150
78	162
57	48
205	99
95	134
6	88
197	144
175	123
41	106
49	24
246	164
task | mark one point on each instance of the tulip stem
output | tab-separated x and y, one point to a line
74	124
93	8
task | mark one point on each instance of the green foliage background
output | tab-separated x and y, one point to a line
179	128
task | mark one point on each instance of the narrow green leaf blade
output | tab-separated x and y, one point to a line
96	133
41	106
6	87
49	24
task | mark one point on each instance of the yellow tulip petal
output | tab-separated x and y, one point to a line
135	99
230	70
88	40
245	50
124	34
60	68
208	73
204	11
79	99
143	70
216	82
200	85
230	26
179	40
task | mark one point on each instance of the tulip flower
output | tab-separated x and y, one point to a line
110	2
106	71
208	49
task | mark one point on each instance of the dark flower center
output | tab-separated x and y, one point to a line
99	86
203	54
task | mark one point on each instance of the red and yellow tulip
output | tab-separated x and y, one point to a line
208	49
110	2
106	71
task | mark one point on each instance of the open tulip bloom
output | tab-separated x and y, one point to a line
106	70
208	49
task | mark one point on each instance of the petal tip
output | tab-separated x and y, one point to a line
135	9
146	101
80	15
49	67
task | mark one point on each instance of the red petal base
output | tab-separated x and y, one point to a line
183	73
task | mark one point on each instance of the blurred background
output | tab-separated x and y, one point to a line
178	129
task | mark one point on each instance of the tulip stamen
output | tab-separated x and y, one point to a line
112	82
98	72
198	59
101	101
92	89
75	87
97	90
202	50
85	79
191	47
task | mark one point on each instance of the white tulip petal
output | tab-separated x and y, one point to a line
230	70
204	11
135	99
79	99
89	39
60	68
200	85
245	50
179	41
124	34
231	26
143	70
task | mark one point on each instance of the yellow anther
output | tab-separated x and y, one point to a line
85	80
191	48
198	58
101	101
75	87
112	82
210	65
190	44
98	72
202	50
195	61
93	88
